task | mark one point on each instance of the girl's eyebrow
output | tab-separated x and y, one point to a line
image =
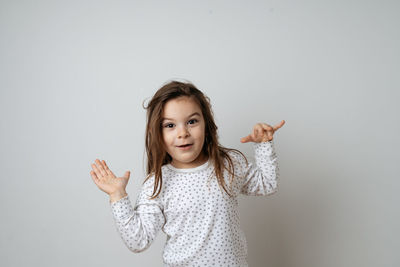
196	113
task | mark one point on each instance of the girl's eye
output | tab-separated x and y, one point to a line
169	125
192	121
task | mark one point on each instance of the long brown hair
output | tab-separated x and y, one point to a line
155	151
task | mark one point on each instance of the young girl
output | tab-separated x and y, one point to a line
192	183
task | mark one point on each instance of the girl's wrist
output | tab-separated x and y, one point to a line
115	196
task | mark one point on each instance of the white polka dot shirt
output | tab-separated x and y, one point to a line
200	220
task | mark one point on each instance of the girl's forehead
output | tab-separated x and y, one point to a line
180	107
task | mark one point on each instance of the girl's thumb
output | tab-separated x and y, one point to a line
127	174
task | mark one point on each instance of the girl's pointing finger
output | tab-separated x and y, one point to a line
279	125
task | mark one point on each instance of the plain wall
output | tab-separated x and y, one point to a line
74	74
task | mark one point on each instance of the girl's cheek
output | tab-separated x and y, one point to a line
168	135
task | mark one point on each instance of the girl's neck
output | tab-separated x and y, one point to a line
197	168
201	159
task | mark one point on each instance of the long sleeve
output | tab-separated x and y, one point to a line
260	179
138	226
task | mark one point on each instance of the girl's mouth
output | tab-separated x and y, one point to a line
185	147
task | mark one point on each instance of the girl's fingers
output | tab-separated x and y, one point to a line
267	127
106	167
270	135
259	126
93	175
253	135
94	178
276	127
97	171
246	139
100	167
260	132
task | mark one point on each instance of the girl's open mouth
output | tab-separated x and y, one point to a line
185	147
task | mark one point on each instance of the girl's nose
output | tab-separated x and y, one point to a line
183	132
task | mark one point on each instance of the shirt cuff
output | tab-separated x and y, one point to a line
264	146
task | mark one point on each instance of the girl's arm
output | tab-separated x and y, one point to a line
138	226
260	179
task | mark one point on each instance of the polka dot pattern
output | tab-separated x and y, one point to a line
200	220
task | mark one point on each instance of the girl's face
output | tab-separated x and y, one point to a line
183	131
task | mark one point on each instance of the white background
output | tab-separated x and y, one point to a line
74	74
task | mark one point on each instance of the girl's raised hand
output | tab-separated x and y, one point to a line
262	132
105	179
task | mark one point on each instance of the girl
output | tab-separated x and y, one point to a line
192	183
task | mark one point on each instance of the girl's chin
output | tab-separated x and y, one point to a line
188	162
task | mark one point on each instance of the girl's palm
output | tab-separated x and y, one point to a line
106	180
